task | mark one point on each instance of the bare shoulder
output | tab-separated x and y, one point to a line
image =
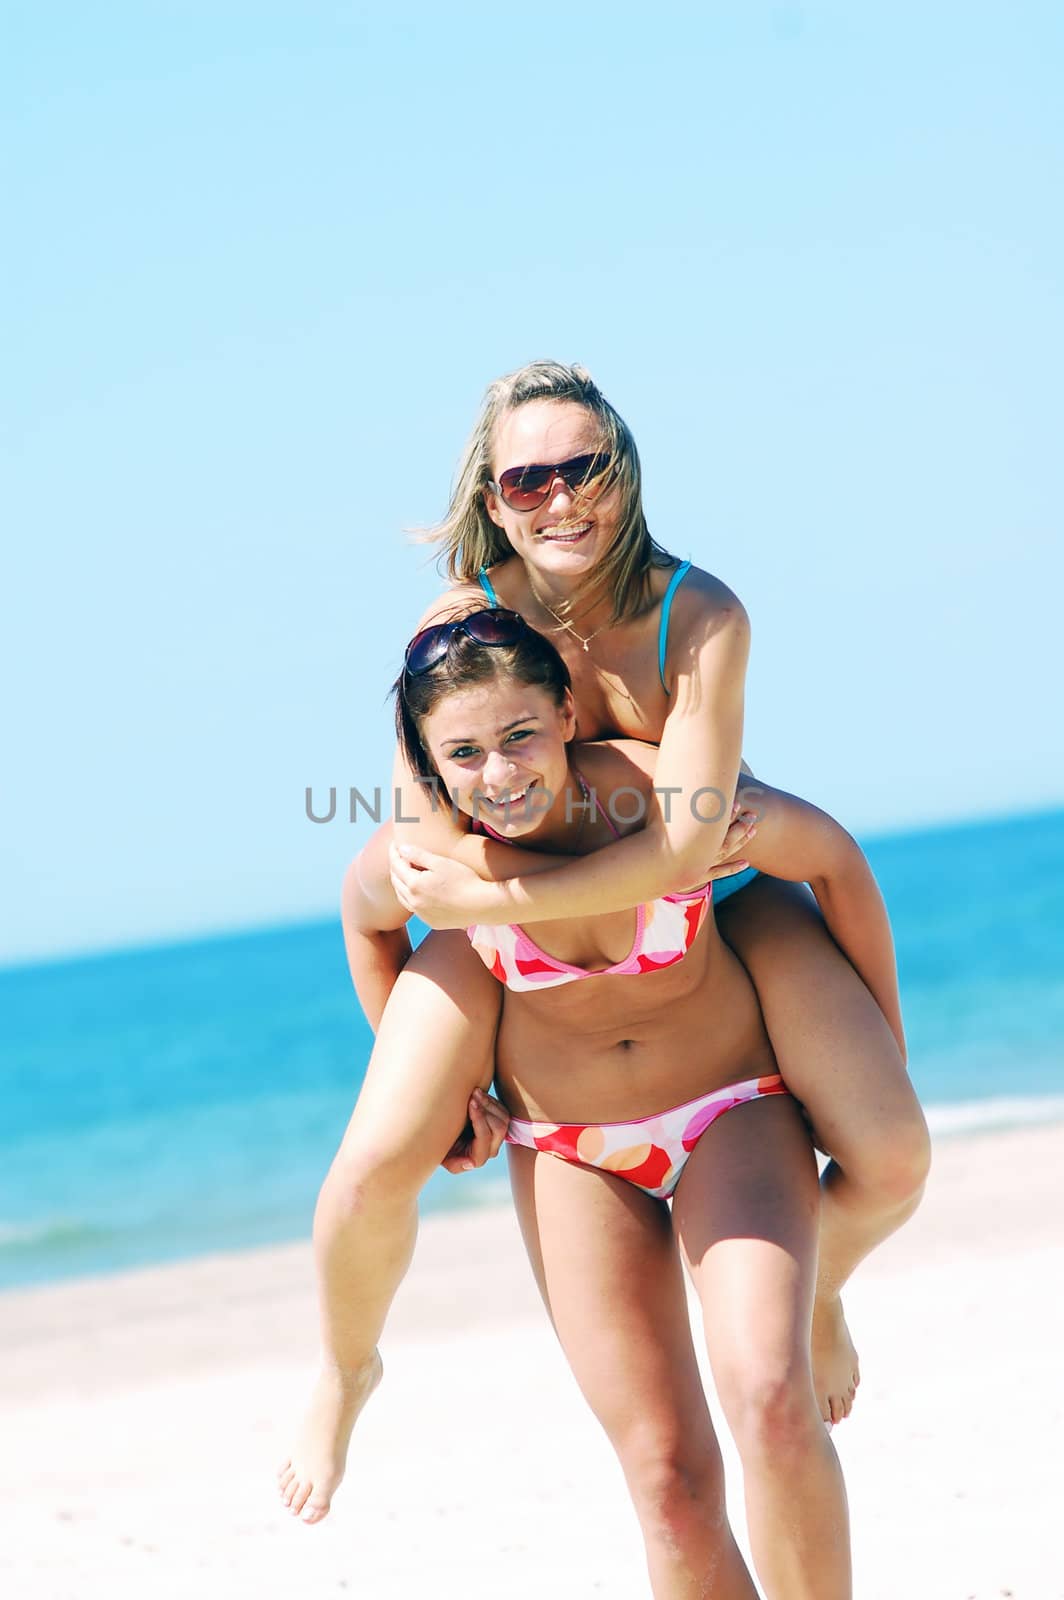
704	602
708	639
455	602
617	763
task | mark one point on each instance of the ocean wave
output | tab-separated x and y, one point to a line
49	1233
997	1112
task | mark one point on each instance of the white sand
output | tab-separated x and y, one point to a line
144	1415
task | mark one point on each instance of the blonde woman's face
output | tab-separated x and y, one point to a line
570	533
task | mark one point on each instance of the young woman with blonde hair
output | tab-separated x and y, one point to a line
547	521
546	518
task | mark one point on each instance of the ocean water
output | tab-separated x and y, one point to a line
168	1102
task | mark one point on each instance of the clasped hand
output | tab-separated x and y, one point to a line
483	1135
446	893
442	892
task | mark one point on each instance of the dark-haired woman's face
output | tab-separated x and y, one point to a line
500	750
571	531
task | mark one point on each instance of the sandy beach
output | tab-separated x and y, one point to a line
144	1416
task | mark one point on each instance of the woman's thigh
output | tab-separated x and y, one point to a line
435	1044
746	1213
831	1041
608	1269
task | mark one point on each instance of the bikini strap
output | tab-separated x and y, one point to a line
666	607
485	584
591	797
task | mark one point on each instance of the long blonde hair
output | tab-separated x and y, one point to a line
471	540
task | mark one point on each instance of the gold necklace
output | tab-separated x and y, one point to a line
567	625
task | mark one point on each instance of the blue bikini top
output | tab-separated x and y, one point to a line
666	607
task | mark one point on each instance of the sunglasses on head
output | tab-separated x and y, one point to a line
528	488
489	627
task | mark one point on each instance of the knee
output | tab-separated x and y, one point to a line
773	1415
674	1487
364	1177
895	1166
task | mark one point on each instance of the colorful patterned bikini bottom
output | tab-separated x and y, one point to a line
650	1152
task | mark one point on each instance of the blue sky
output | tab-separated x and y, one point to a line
266	258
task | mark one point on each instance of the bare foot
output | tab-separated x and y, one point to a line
836	1370
310	1478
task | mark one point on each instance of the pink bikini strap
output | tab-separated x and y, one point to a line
589	794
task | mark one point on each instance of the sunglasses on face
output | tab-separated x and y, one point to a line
492	627
528	488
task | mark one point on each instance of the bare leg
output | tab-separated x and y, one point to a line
746	1213
435	1044
840	1059
609	1272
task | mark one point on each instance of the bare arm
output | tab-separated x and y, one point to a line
374	923
797	841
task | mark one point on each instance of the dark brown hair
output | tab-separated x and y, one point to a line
531	659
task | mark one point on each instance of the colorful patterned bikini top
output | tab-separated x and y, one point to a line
665	929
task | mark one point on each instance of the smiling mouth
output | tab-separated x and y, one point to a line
564	533
510	800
